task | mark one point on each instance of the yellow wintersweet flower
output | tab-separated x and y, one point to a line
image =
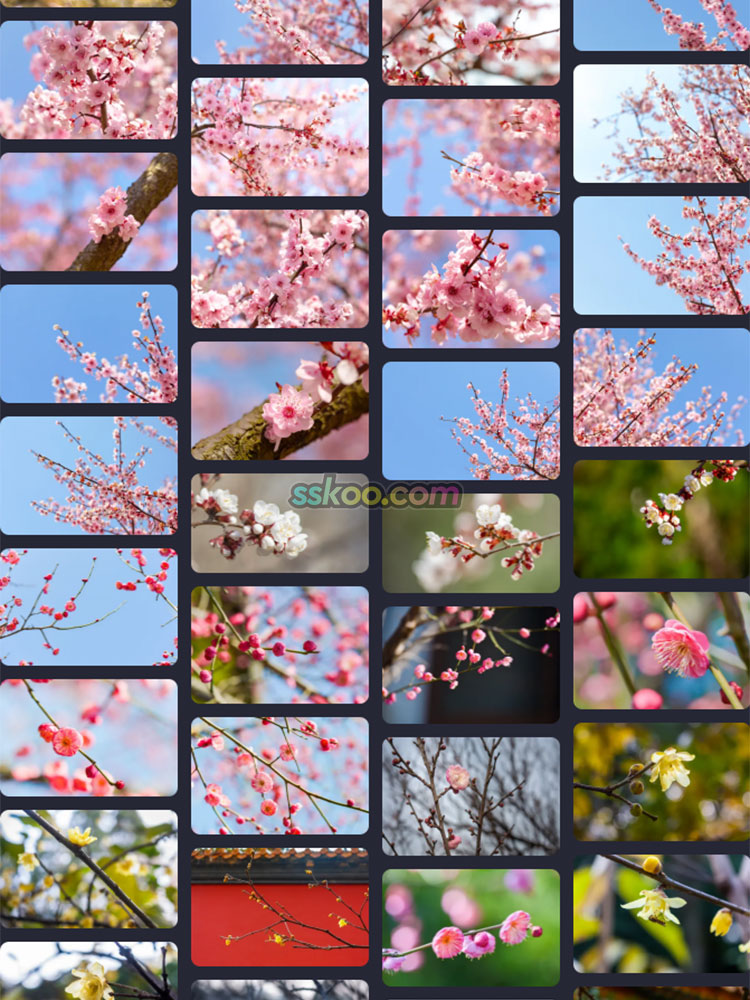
669	767
722	922
91	984
28	860
87	922
655	906
343	922
227	941
48	881
81	839
744	948
652	865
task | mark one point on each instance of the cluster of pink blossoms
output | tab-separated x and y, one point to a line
100	79
110	214
292	410
154	383
471	298
313	254
451	941
703	266
665	514
265	527
332	31
692	34
620	399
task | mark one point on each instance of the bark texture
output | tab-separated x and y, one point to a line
144	195
245	439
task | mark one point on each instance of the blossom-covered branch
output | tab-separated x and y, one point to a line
144	195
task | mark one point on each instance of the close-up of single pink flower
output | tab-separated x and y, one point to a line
457	777
515	927
681	650
287	412
448	942
67	742
478	945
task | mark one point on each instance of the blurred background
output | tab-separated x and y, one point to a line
418	902
611	539
608	938
526	691
404	542
136	848
714	806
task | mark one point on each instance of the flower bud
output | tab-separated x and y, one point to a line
652	865
636	787
636	809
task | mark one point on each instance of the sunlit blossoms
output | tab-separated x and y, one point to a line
680	649
621	399
692	35
110	215
282	269
512	42
152	381
98	79
515	927
655	906
669	766
91	983
523	443
472	297
705	265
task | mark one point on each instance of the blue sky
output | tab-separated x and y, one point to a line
621	25
82	194
137	741
101	316
722	356
217	19
605	278
596	91
420	262
433	177
31	481
417	394
331	775
136	635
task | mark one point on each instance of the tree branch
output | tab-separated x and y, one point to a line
669	883
144	195
245	439
79	852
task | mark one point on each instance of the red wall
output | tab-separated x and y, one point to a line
219	910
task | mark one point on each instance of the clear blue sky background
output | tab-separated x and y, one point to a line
416	395
723	357
136	635
217	19
16	78
101	316
520	240
605	279
433	177
596	91
622	25
31	481
137	741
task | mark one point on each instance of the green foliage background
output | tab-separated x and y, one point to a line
713	807
633	945
404	540
610	539
534	962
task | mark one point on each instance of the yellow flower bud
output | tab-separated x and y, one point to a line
652	865
636	787
228	941
636	809
722	922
